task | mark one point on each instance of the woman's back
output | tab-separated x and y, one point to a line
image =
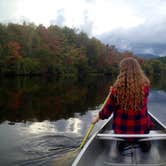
127	121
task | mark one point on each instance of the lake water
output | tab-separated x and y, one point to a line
43	119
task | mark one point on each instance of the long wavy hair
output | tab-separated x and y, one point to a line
130	85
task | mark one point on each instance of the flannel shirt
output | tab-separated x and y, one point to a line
127	122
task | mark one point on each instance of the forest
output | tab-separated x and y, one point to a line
30	50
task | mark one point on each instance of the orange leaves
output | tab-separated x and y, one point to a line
14	49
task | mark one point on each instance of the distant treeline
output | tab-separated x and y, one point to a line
28	49
32	50
155	67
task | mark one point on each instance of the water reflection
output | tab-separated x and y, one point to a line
39	143
38	99
74	125
41	127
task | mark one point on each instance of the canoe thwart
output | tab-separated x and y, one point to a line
153	135
152	139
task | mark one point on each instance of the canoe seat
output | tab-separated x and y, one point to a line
153	135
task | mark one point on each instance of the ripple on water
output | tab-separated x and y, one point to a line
42	150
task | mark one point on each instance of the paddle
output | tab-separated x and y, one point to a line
71	155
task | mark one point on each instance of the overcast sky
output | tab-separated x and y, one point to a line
139	26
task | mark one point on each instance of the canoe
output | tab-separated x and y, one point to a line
101	148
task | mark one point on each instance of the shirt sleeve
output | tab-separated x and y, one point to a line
146	90
109	107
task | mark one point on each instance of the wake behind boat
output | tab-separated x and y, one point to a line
101	150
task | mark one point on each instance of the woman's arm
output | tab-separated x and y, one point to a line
107	109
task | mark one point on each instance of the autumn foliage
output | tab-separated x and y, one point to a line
37	50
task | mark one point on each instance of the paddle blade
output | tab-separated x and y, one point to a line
67	158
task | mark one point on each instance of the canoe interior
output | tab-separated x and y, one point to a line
104	152
100	152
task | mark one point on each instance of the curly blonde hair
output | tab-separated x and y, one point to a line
130	85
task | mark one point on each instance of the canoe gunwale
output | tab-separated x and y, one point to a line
89	142
158	121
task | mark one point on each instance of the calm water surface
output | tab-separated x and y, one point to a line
43	119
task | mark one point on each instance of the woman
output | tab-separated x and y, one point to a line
128	103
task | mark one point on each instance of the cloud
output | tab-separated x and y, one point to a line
138	26
90	1
87	25
147	38
8	10
60	19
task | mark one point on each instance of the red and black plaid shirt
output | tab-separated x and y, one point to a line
127	122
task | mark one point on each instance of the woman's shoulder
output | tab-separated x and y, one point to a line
146	89
146	85
112	90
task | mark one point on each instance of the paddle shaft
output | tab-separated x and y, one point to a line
92	126
86	135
